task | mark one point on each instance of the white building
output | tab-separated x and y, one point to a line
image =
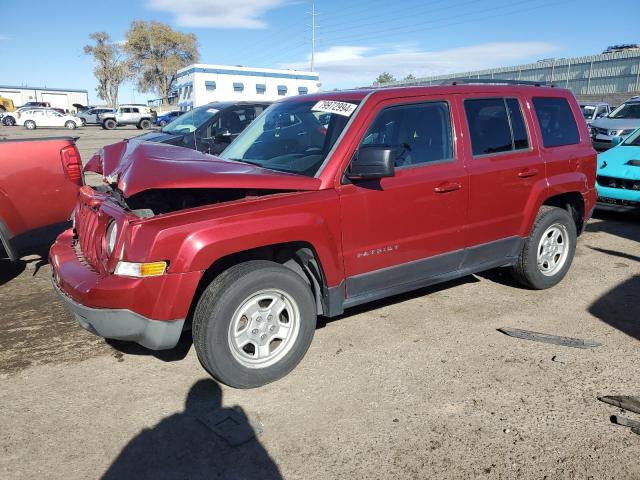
58	97
200	84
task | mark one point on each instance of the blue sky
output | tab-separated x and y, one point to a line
42	42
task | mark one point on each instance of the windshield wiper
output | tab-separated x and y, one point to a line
251	162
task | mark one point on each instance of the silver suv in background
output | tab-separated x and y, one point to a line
90	116
139	115
619	123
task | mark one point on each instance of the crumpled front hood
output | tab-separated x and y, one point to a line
139	166
614	162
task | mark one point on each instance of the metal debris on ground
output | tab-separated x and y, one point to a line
546	338
625	422
622	401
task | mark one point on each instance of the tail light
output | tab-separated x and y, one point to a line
71	164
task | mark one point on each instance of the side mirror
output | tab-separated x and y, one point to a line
617	140
372	162
224	136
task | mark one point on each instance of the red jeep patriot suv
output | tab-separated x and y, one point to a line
325	202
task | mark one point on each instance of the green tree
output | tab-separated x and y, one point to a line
384	77
110	66
409	77
156	53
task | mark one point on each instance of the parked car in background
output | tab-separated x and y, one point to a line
403	188
618	179
168	117
9	119
138	115
91	115
594	110
209	129
46	117
39	182
36	104
619	123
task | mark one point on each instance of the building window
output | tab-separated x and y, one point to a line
238	87
303	90
261	88
210	85
282	89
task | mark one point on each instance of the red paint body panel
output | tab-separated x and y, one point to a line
34	191
402	218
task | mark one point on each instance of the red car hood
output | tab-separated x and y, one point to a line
140	166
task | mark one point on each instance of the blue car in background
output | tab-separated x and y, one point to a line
618	179
162	120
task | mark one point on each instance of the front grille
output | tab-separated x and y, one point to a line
602	131
87	234
620	183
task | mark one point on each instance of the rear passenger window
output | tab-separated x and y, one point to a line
419	133
496	125
557	124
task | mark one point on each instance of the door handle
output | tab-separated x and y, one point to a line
447	187
528	173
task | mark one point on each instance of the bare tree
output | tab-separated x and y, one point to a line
156	53
111	66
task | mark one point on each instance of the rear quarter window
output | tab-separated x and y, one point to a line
556	121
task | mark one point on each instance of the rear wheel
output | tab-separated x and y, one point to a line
109	124
71	125
253	324
145	124
84	122
30	125
548	252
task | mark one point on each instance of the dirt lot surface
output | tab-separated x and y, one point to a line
418	386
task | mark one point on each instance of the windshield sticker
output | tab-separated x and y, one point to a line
331	106
212	110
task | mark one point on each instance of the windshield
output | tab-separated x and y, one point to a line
626	110
587	111
633	140
190	121
293	136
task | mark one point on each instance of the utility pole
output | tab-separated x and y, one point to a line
313	33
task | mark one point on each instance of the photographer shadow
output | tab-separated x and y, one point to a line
205	441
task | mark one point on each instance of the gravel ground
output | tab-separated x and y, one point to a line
417	386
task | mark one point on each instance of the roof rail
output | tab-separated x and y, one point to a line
496	81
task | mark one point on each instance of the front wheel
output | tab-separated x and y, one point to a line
30	125
548	252
9	121
253	324
162	123
71	125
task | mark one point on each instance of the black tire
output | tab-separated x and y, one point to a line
84	122
214	313
526	271
70	124
9	121
109	124
30	125
144	124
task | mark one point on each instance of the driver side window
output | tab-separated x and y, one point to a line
419	133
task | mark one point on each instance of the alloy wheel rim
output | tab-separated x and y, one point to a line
553	249
264	328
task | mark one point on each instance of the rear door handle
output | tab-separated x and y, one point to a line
528	173
447	187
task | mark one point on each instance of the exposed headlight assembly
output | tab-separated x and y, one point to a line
110	238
